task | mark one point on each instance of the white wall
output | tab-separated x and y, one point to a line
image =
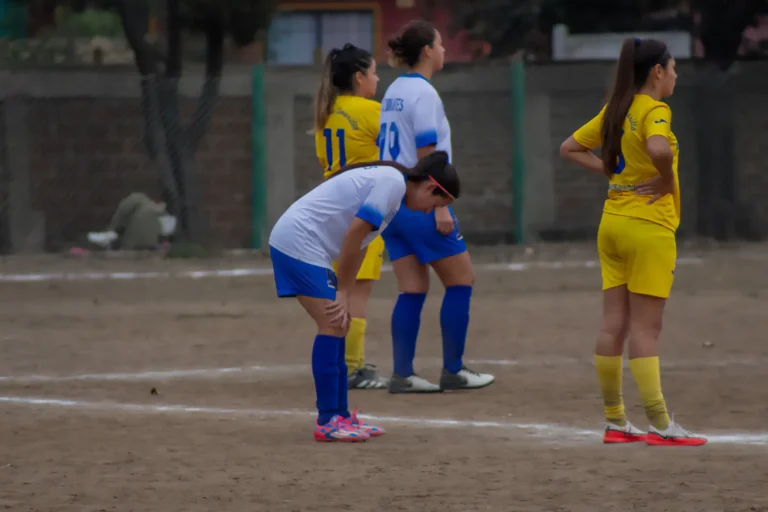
566	46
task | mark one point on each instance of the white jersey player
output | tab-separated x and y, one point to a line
336	221
412	117
411	125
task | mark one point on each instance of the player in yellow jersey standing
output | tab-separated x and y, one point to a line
636	238
346	128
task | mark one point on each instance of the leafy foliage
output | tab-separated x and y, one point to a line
506	23
722	25
244	20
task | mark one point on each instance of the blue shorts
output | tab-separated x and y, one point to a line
294	277
415	233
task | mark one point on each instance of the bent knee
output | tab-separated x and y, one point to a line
455	270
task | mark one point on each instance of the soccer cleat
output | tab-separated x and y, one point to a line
367	378
412	384
626	434
339	430
371	430
673	435
465	379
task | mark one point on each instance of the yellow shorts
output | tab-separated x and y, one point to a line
638	253
371	266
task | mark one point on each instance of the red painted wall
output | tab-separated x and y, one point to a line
457	48
392	18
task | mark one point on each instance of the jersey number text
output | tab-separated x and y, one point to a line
328	134
389	138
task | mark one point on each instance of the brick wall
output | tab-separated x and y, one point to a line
86	154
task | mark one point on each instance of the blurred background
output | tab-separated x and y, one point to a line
205	106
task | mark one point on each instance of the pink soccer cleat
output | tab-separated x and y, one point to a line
371	430
339	430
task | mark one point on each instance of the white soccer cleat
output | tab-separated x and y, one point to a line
673	435
623	434
465	379
412	384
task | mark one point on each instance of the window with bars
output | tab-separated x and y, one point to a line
304	38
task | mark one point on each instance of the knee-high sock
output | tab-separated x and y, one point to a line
609	372
648	378
325	370
454	322
406	320
343	407
354	354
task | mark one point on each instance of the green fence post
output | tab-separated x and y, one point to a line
517	101
258	159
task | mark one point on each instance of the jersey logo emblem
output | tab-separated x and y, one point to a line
331	279
659	121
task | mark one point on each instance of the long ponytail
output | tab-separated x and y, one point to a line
619	102
326	93
637	58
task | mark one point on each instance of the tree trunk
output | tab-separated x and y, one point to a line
171	146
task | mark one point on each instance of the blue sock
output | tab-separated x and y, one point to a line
406	319
454	321
341	363
325	370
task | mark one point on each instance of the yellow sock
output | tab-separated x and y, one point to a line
648	377
609	369
355	344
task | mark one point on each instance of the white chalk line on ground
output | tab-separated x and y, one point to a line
293	369
541	430
267	271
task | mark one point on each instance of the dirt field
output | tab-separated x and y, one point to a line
230	427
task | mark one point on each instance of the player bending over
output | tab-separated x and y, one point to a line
335	222
346	127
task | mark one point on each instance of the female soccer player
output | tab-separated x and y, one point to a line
335	222
636	238
413	124
346	127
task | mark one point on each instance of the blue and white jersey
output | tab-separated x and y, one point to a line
313	228
412	117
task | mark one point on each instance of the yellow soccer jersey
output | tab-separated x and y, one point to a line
646	117
350	134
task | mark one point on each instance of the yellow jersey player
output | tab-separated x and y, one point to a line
636	237
346	129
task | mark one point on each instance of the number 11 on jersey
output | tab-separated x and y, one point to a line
389	138
328	134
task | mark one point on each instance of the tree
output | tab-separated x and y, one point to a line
169	144
505	24
722	26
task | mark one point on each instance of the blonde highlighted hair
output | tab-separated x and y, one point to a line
339	70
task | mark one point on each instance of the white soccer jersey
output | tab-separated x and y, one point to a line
412	116
313	228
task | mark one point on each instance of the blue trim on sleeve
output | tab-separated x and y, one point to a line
371	216
426	139
414	75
